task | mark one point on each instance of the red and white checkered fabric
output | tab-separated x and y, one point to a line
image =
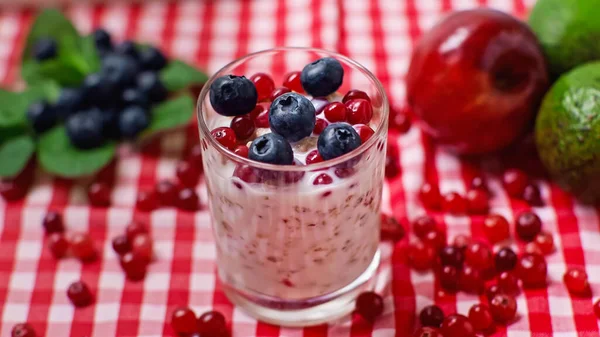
377	33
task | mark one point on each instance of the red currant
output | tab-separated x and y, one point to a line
496	228
243	127
183	321
360	111
12	190
134	229
477	201
82	247
421	256
188	200
470	280
323	179
431	316
449	278
597	309
99	194
344	172
241	150
452	256
515	181
225	136
134	266
528	225
354	94
22	330
479	256
247	174
492	291
430	196
313	157
435	239
454	203
292	81
212	324
166	192
264	85
532	270
257	110
480	317
478	183
532	248
121	245
545	241
427	332
79	294
278	92
58	245
461	241
335	112
187	174
262	120
505	259
142	247
147	200
503	308
320	125
369	305
53	223
195	155
391	229
532	195
423	225
576	280
508	283
456	325
364	131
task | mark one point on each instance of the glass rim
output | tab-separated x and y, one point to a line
205	131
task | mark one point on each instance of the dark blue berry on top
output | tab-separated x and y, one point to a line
85	129
271	148
152	59
292	116
120	70
41	116
232	95
322	77
336	140
45	49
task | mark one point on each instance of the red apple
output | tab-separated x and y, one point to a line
476	79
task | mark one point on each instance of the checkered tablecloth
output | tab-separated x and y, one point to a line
377	33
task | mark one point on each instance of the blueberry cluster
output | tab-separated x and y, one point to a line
113	103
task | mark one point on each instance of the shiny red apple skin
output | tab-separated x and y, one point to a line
476	80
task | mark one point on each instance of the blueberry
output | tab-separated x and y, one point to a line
44	49
98	89
110	123
322	77
149	84
134	96
293	116
132	121
102	39
152	59
271	148
85	129
128	48
120	70
41	116
337	139
232	95
69	101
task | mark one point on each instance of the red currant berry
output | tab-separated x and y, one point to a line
183	321
508	283
423	225
452	256
492	291
79	294
134	229
470	280
292	81
597	308
323	179
421	256
532	195
195	155
146	201
99	194
264	85
532	248
400	122
82	247
257	110
479	256
456	325
431	316
11	190
481	317
225	136
545	241
576	280
247	174
166	192
278	92
435	239
58	245
391	229
477	201
505	259
243	127
496	228
454	203
532	270
503	308
336	112
188	200
364	131
241	150
515	181
360	111
344	172
478	183
313	157
134	266
369	305
430	196
262	120
53	223
528	225
461	241
187	174
22	330
142	247
354	94
448	277
320	125
121	245
427	332
212	324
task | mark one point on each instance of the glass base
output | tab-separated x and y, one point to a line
307	312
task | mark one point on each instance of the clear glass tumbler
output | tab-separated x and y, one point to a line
291	252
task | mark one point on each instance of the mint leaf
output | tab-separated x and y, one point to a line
14	155
178	75
14	104
58	156
170	114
